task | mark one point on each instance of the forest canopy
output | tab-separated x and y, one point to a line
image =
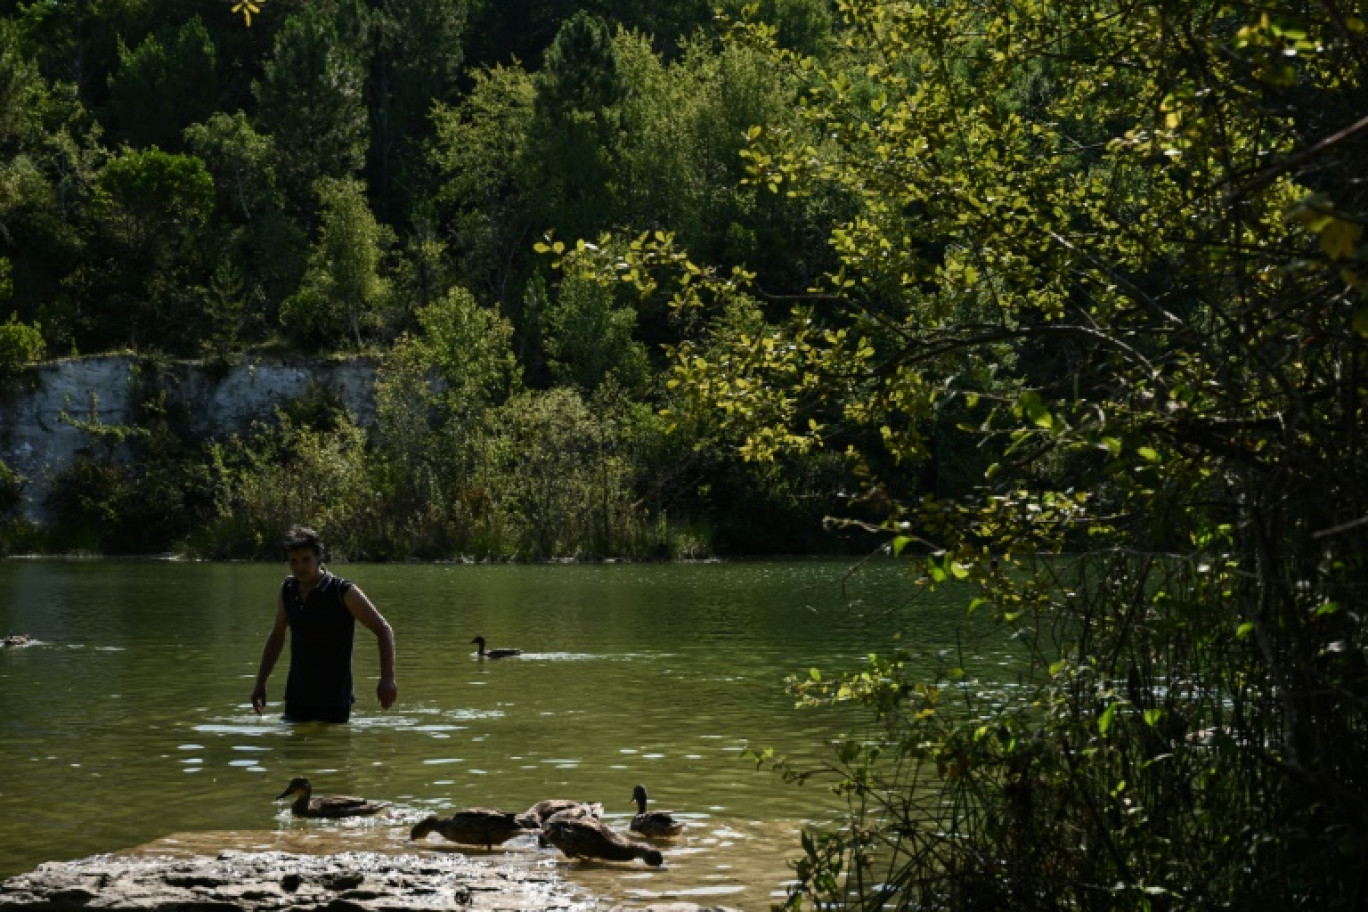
369	178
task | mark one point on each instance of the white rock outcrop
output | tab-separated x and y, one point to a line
39	411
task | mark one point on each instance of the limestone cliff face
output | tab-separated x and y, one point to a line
38	442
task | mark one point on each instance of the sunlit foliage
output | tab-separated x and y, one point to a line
1116	247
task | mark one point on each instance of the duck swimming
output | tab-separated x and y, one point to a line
17	639
473	826
652	823
305	805
585	837
494	653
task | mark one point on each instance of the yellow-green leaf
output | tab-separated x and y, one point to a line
1339	239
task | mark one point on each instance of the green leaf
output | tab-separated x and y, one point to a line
1105	722
1034	409
1339	239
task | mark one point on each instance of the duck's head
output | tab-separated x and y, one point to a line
480	640
639	794
423	827
298	786
653	858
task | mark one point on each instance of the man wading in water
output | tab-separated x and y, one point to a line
320	611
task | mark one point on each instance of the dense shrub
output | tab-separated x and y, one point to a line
20	344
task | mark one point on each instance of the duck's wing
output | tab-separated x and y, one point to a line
343	806
538	814
657	823
588	838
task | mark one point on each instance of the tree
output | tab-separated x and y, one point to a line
480	154
540	473
415	66
469	346
311	102
149	207
159	88
578	89
1122	244
241	160
588	338
149	196
344	294
804	26
20	344
22	92
49	157
256	238
678	157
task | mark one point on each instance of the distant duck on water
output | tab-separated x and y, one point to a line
306	805
473	826
17	639
652	823
494	653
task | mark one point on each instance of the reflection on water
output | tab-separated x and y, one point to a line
129	723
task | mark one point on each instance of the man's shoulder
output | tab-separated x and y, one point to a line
334	583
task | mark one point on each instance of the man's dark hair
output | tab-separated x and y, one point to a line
304	538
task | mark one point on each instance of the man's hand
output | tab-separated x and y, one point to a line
386	692
259	698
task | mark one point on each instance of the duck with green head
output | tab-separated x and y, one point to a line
494	653
653	823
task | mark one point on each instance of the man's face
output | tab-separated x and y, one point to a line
303	564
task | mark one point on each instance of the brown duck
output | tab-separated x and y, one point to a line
473	826
306	805
538	814
652	823
585	837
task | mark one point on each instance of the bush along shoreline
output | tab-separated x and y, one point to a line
435	474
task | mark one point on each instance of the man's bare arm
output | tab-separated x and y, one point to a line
386	691
270	653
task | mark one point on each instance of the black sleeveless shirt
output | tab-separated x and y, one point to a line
321	629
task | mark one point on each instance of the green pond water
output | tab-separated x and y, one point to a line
127	725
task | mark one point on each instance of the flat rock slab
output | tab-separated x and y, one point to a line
235	881
268	881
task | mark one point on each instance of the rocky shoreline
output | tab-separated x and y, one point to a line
242	881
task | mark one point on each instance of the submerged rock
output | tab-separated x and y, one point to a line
268	881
